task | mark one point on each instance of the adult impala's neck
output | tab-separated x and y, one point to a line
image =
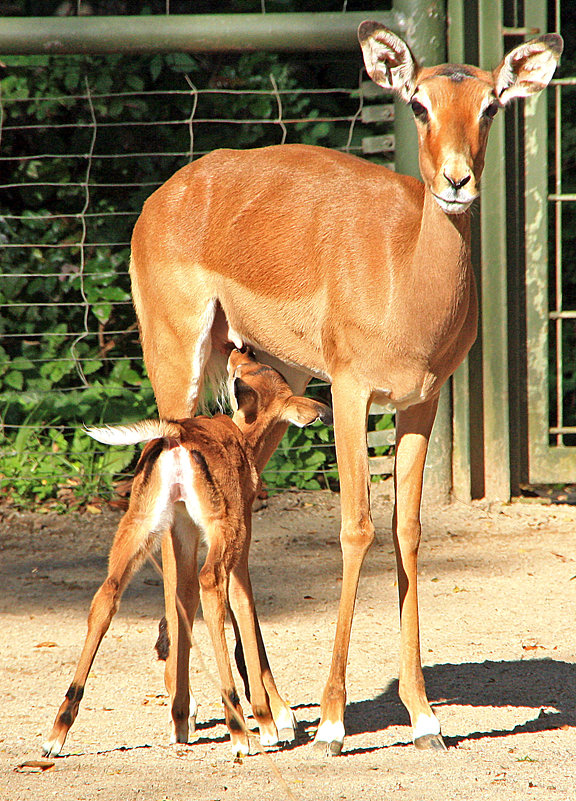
444	240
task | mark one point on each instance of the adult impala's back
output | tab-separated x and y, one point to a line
345	270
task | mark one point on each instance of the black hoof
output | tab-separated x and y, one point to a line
430	742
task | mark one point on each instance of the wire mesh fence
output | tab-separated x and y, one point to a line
83	142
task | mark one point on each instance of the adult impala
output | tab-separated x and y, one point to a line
341	269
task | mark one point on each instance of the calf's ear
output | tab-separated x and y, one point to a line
304	411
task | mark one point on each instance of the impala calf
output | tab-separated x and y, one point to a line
341	269
200	475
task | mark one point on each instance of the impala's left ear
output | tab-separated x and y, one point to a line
528	68
304	411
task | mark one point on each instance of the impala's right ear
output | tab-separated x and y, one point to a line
528	68
388	59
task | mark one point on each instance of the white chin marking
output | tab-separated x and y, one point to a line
426	724
330	732
452	206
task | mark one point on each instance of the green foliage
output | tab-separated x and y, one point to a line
305	459
70	353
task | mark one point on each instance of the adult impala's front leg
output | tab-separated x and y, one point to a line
350	406
413	427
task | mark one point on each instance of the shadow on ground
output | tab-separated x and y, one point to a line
545	685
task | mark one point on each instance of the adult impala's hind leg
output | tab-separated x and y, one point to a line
176	348
132	543
181	595
413	427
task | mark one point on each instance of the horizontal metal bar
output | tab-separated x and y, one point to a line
562	315
563	430
185	33
562	197
381	465
381	439
520	31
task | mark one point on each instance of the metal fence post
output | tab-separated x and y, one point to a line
494	294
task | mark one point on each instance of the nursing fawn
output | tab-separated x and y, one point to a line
199	476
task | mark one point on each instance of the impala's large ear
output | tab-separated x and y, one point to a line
528	68
304	411
387	58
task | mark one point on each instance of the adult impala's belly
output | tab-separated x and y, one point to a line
290	330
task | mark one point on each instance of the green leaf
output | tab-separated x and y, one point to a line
14	379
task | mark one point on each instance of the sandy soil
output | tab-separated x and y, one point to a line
497	590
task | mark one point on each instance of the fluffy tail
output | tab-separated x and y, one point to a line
144	431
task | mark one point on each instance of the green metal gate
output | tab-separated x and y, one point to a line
551	306
514	400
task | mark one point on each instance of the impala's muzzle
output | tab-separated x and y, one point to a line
454	186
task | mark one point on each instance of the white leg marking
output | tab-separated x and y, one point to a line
240	749
51	748
193	715
330	732
426	724
285	721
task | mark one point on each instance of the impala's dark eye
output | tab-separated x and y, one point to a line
419	111
491	111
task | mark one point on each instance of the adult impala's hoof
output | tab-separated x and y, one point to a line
430	742
330	738
331	749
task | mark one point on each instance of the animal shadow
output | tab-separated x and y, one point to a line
542	684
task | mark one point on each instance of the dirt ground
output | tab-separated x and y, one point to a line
497	592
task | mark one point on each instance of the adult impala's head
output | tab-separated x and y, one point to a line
454	104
